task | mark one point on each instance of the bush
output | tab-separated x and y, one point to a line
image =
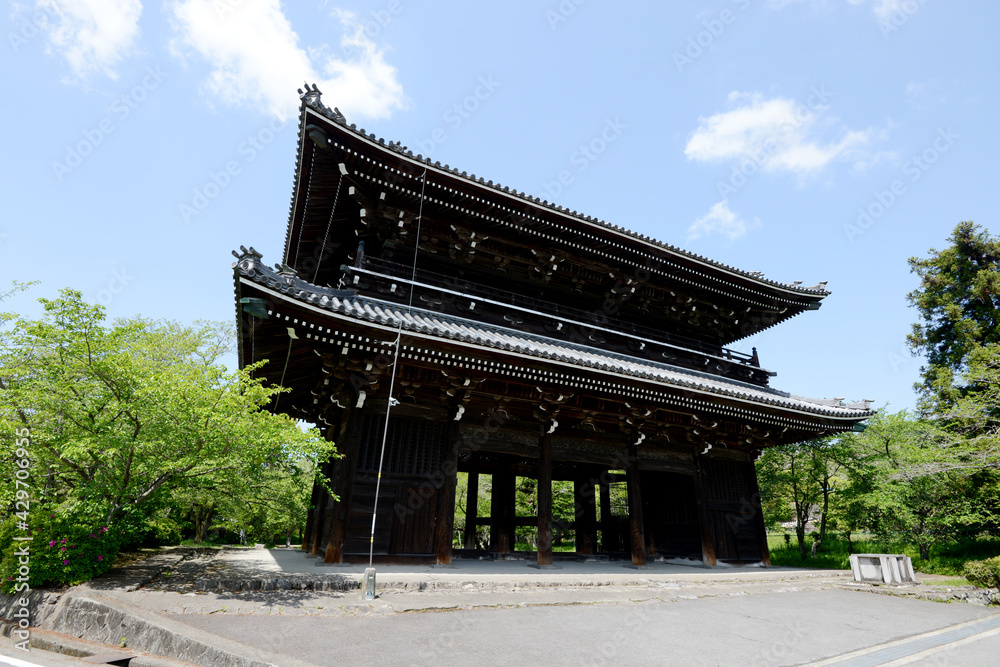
164	531
64	549
984	573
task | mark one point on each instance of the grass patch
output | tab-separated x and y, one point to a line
947	558
204	544
950	582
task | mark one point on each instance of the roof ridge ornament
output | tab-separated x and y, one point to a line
244	253
286	271
312	98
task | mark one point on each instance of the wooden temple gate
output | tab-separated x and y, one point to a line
520	339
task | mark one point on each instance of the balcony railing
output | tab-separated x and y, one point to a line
591	320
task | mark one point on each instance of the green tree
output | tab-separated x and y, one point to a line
907	484
959	304
119	414
799	481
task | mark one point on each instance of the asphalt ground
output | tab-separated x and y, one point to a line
775	628
491	613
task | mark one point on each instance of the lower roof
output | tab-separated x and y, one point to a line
422	323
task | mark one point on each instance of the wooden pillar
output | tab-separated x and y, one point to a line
322	499
343	486
544	490
471	511
705	518
502	510
445	521
310	516
585	513
635	507
308	541
321	512
758	513
652	500
605	512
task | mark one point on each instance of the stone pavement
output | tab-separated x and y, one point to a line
256	607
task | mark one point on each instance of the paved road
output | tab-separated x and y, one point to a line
781	628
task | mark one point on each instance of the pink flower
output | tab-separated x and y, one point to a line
100	558
63	540
52	543
66	562
62	548
104	529
92	535
52	516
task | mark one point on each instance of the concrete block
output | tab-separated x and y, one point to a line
882	568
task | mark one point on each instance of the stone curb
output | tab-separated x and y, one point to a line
137	575
346	583
56	642
984	597
107	621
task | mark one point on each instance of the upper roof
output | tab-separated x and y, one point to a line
313	109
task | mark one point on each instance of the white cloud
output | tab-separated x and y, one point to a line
256	59
887	9
867	162
776	134
722	221
93	35
883	9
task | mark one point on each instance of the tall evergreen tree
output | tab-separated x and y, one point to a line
959	305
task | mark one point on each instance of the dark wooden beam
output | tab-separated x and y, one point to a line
544	490
471	511
320	514
502	509
314	498
445	520
758	512
349	445
318	519
605	513
705	518
585	510
636	527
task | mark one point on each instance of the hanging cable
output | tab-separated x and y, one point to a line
392	373
329	223
288	357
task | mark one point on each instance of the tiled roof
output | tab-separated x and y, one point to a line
347	303
311	98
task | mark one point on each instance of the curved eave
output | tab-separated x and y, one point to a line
612	234
727	390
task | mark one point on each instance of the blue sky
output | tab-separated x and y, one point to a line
808	139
